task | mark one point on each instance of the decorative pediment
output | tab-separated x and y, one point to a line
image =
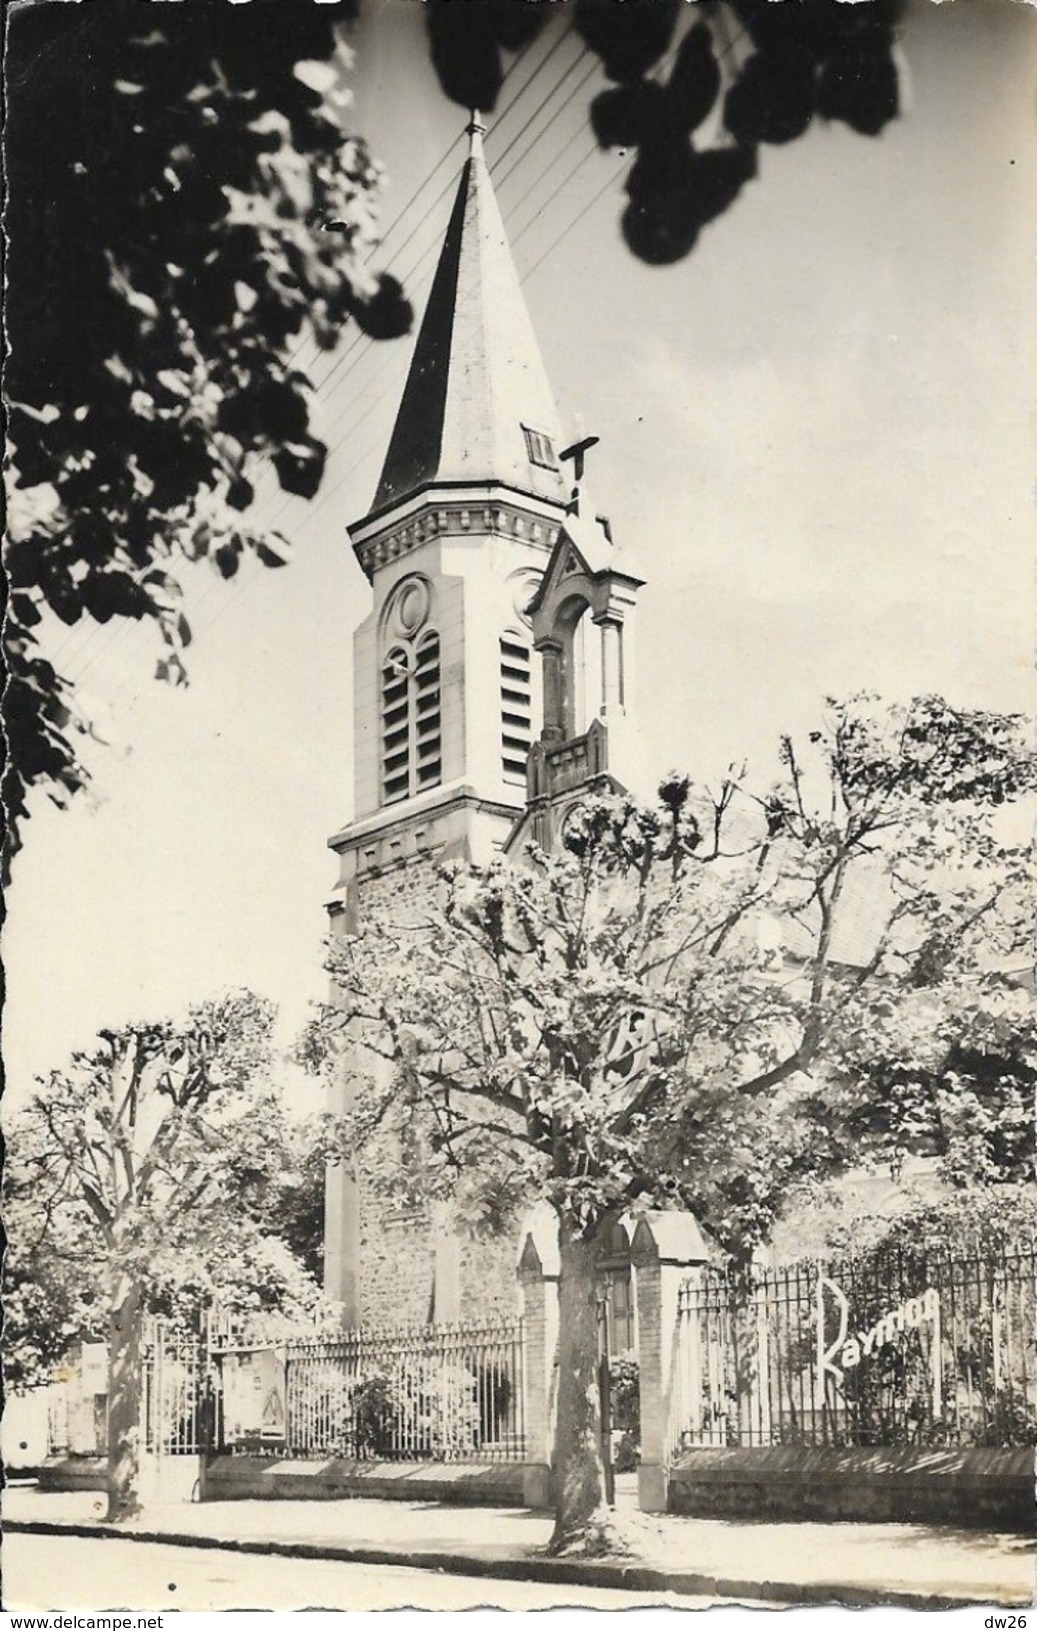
571	564
583	574
566	562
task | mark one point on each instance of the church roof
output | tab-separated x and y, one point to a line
477	406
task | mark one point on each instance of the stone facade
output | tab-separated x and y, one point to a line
469	690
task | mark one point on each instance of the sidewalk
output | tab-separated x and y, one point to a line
905	1565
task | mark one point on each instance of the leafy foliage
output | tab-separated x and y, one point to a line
975	1247
705	1002
766	70
182	203
624	1376
182	1186
954	1221
427	1405
54	1292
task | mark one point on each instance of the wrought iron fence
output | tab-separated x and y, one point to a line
445	1393
173	1392
172	1398
903	1347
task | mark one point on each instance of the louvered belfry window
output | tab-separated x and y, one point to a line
396	725
516	707
428	725
412	738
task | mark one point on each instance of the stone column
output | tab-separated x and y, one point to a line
666	1246
342	1222
341	1191
612	678
538	1281
553	658
446	1294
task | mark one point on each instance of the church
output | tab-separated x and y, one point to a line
493	682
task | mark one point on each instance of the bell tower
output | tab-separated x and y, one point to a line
447	688
468	509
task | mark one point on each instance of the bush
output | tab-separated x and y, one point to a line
435	1409
422	1410
625	1377
373	1409
627	1455
496	1391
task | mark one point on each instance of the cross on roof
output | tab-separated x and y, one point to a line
577	452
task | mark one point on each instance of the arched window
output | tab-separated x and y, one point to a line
516	699
412	756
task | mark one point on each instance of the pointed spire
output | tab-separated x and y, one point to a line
477	383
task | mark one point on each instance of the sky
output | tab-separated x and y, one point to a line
816	440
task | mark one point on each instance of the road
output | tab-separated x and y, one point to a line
58	1572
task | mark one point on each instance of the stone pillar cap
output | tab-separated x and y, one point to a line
538	1253
669	1237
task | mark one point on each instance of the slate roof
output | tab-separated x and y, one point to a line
476	378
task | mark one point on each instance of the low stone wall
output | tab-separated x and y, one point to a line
266	1478
987	1489
64	1472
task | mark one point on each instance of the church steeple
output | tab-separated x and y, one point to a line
481	557
477	406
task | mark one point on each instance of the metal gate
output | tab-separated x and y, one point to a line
173	1391
175	1398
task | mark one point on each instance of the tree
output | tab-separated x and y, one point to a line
156	1154
293	1207
771	69
53	1284
198	207
183	205
684	1007
270	1255
953	1219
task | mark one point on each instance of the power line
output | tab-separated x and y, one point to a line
341	365
576	168
359	338
363	342
517	204
541	105
362	404
102	642
366	403
611	180
576	219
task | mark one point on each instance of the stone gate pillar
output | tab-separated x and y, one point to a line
538	1271
665	1247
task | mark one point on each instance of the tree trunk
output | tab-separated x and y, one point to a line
125	1375
583	1521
